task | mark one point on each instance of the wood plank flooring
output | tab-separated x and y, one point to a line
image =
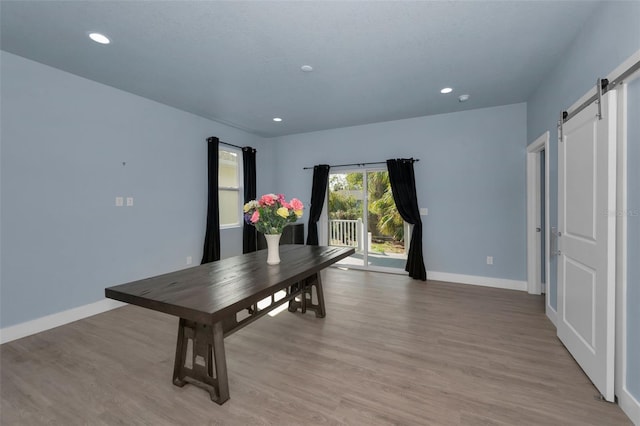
390	351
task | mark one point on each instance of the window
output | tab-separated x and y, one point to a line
229	188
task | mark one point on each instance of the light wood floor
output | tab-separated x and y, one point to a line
390	351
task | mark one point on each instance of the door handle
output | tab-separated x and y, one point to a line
555	235
538	229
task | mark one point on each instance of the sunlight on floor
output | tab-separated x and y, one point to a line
277	310
264	303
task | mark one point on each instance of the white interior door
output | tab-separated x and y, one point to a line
586	266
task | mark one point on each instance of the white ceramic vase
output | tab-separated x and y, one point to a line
273	248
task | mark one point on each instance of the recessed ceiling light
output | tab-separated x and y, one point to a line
463	98
99	38
446	90
278	119
306	68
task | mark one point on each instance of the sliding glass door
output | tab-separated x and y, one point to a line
346	215
363	215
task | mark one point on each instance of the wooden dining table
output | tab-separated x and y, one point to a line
217	299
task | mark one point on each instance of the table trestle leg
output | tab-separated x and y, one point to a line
200	359
306	297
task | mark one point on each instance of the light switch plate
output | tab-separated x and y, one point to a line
129	201
424	211
119	201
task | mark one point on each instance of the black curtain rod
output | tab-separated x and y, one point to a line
230	144
360	164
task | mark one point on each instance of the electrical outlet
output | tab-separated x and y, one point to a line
189	260
489	260
119	201
129	201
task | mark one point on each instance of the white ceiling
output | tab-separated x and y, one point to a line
239	62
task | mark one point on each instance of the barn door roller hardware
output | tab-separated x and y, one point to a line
601	86
563	118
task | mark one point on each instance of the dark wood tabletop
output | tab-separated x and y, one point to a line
210	292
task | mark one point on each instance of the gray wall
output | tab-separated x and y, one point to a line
610	37
471	177
64	139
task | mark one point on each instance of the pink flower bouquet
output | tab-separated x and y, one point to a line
272	212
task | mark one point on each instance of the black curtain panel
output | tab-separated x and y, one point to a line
249	236
403	187
318	192
212	236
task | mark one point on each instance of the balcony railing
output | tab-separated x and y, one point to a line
348	233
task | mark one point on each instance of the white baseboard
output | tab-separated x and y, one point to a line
477	280
48	322
630	406
38	325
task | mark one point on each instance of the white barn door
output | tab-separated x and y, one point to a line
586	219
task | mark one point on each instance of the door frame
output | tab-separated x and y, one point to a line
620	374
533	207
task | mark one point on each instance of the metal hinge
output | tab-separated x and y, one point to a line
555	234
